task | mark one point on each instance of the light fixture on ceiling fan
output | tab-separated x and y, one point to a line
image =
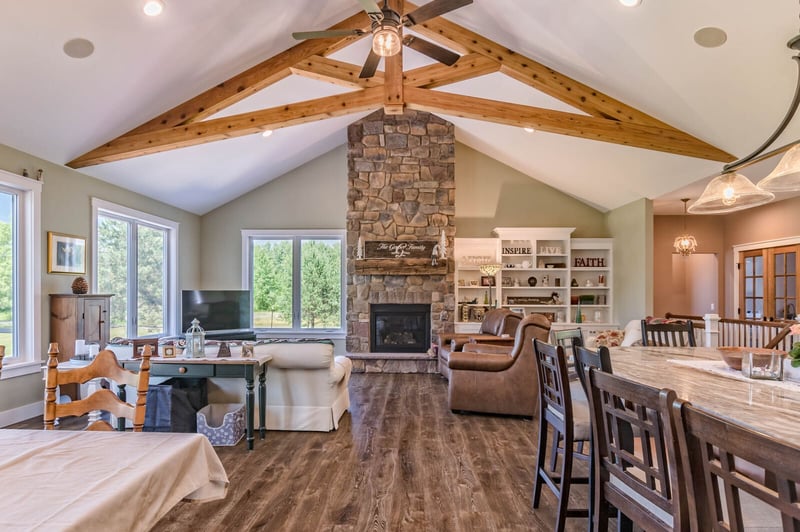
731	191
387	32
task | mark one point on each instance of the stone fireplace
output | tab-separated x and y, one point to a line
401	187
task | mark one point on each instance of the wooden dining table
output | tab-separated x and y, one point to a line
698	375
54	480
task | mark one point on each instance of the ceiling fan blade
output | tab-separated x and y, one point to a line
433	9
372	9
434	51
370	65
301	35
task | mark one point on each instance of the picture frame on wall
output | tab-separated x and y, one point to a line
65	253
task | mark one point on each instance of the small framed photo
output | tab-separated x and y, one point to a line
517	310
168	351
65	253
487	280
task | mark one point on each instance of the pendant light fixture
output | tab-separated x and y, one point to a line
731	191
685	244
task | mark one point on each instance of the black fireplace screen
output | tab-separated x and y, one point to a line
400	328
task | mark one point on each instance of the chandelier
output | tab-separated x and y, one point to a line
731	191
685	244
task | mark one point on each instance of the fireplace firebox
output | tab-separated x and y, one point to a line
399	328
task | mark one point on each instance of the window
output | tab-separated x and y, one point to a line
135	260
768	286
20	270
296	278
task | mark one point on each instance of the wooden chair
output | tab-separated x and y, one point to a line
600	360
674	334
711	450
104	365
644	481
570	425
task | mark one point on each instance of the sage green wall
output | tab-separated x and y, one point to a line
490	194
313	196
66	208
631	226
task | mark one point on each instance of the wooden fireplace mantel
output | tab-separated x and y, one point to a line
421	266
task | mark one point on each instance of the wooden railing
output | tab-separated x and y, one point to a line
710	331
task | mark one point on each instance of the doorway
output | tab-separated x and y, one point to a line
695	286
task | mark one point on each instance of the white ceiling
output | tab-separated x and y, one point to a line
58	108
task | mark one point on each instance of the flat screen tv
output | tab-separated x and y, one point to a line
216	310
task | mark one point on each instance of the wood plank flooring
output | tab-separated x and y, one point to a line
400	461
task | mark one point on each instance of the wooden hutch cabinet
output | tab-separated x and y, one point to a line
79	317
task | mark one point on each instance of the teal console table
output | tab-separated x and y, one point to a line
228	368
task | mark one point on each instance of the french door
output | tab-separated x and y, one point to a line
768	286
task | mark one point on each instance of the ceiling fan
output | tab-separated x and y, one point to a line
387	32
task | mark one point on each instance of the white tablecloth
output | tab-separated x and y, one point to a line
69	480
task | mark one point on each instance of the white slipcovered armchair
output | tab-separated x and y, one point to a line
306	386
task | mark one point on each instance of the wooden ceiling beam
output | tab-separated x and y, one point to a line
562	123
336	72
393	100
438	75
232	126
253	79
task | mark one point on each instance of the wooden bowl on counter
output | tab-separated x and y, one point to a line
732	355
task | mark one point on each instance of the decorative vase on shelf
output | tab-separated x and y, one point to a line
578	316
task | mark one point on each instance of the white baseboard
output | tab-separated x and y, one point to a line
21	413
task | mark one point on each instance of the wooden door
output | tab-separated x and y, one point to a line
768	286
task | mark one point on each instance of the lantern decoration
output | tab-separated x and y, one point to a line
195	341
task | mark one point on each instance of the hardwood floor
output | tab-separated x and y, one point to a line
400	460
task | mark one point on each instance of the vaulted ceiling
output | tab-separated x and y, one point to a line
625	105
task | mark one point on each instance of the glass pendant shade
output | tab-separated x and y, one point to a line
786	176
685	244
730	192
386	41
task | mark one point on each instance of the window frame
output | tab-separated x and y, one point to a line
27	282
120	212
297	236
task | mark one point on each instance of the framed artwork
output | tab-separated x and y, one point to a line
517	310
65	253
487	280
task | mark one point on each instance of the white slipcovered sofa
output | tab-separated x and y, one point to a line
306	385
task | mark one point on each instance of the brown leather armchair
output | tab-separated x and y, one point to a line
496	379
496	323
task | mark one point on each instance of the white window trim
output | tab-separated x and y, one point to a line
100	206
29	273
779	242
249	234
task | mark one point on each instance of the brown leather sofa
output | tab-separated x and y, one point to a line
495	379
496	323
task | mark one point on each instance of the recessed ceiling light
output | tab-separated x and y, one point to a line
710	37
266	133
153	8
630	3
79	48
528	129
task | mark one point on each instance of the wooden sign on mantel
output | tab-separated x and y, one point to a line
400	249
